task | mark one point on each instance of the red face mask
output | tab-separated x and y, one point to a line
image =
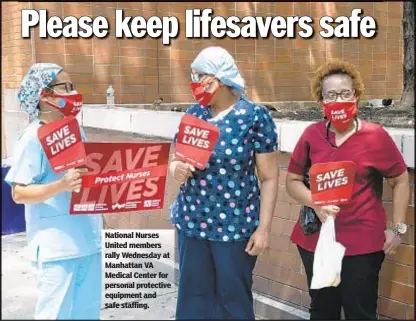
340	114
201	92
68	105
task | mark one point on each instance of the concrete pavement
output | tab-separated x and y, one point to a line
19	289
19	293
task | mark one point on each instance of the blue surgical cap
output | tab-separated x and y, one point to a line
218	62
39	76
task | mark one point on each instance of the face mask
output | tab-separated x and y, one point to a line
202	92
68	105
340	114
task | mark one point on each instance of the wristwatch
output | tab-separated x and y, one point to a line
399	228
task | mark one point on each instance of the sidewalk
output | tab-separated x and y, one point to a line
19	289
19	293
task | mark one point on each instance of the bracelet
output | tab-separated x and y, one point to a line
396	231
399	228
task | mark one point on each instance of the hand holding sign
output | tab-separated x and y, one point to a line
61	140
182	171
327	210
195	141
332	183
72	180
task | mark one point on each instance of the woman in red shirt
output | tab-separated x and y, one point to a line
360	225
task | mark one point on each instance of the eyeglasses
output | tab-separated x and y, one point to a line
197	77
67	86
332	96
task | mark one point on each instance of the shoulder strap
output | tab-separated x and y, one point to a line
306	170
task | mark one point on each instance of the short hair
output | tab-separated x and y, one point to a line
336	67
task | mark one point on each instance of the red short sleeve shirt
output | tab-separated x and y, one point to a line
361	223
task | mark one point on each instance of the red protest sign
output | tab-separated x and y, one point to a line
195	141
332	183
61	140
122	177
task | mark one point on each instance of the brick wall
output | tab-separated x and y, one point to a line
16	54
274	69
141	70
279	273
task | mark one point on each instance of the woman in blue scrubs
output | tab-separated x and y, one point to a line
222	213
65	248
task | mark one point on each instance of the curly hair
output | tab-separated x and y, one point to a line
333	68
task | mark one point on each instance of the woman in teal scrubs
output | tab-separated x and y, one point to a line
65	248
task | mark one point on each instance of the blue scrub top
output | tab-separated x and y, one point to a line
52	233
222	202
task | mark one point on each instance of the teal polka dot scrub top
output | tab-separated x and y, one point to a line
222	202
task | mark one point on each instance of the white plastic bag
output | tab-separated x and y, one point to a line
328	257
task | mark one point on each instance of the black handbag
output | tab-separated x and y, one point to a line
309	221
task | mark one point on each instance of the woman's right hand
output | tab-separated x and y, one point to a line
324	211
72	180
182	171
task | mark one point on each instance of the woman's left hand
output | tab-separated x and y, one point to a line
392	242
258	243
